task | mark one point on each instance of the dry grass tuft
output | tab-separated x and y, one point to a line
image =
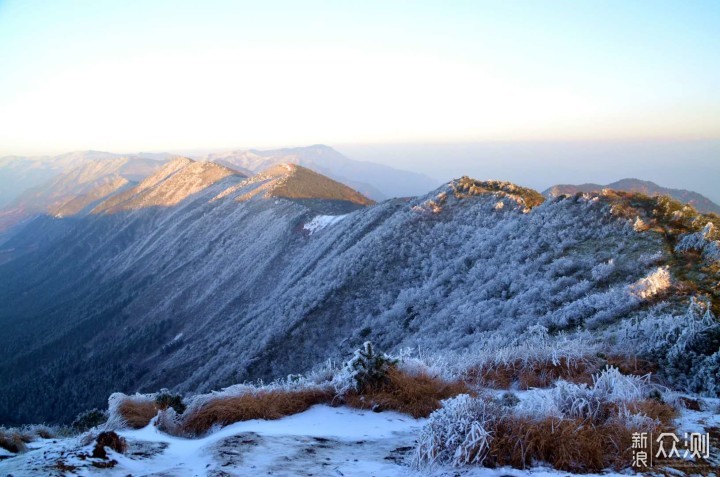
632	365
572	445
137	414
260	405
12	441
418	395
111	440
691	404
44	432
661	412
537	374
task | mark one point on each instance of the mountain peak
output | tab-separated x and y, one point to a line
299	184
292	181
174	182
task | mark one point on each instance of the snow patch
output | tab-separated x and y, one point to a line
321	221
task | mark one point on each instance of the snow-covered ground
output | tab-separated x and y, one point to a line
322	441
321	221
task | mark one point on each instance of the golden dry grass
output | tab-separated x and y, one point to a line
538	374
417	395
632	365
260	405
137	414
566	444
573	445
664	413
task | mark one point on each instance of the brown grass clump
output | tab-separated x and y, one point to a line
259	405
572	445
137	414
44	432
653	409
691	404
111	440
12	441
632	365
417	395
539	374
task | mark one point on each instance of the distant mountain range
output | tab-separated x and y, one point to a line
89	180
18	174
375	181
74	183
700	202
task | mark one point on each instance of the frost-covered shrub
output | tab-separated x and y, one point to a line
704	241
88	419
169	421
602	271
655	283
682	345
707	379
458	433
580	401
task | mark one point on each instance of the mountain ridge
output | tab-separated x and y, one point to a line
697	200
375	181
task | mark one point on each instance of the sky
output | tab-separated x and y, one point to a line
175	75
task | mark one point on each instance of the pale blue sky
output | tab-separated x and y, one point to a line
171	75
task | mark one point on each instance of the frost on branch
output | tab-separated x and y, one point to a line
652	285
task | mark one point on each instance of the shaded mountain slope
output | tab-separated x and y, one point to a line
213	291
699	201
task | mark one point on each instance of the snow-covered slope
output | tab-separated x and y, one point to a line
253	295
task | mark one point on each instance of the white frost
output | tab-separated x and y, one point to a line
653	284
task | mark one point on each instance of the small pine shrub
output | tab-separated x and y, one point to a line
86	420
166	399
509	400
368	367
